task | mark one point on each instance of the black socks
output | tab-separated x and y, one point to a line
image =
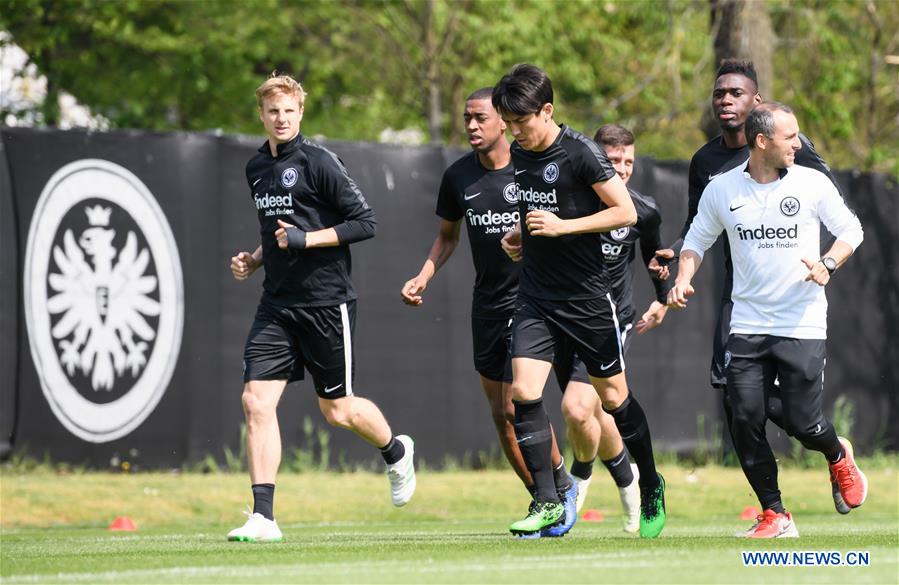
393	451
835	458
561	479
620	469
534	438
631	423
264	499
581	469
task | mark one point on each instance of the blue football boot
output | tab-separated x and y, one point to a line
570	503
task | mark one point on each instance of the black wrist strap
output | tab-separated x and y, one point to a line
296	239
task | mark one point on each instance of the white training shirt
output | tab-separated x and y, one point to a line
771	227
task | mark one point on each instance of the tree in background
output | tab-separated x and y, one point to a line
832	67
156	65
374	65
741	29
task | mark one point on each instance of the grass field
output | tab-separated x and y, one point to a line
341	528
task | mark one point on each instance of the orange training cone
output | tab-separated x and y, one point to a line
123	524
592	515
749	513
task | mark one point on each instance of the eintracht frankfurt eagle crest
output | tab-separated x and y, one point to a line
104	299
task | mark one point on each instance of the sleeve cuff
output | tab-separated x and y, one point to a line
689	246
854	239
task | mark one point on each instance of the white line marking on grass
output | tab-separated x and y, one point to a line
365	570
417	566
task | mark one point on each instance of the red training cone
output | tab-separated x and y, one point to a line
592	515
749	513
123	524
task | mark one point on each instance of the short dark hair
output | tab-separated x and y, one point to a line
613	135
761	121
523	90
485	93
740	67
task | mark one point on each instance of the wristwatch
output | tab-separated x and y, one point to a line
830	264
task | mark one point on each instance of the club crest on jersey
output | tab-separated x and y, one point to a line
103	299
289	177
789	206
620	233
510	193
551	172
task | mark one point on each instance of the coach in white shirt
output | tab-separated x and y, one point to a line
772	212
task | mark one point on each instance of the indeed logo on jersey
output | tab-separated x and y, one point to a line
534	199
274	204
611	251
769	237
495	222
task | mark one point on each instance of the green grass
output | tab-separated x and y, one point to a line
341	528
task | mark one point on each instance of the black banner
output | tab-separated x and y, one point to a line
150	373
9	309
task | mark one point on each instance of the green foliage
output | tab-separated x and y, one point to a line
709	447
313	455
372	65
832	69
237	462
207	464
19	463
155	65
843	418
492	459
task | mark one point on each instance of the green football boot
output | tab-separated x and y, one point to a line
540	515
652	510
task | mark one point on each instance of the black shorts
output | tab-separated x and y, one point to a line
543	329
626	334
753	362
492	339
285	340
569	368
718	373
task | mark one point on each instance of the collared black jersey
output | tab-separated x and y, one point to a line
306	185
715	158
487	202
619	249
560	179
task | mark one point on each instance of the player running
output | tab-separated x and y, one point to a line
772	211
734	95
619	249
479	189
568	193
310	211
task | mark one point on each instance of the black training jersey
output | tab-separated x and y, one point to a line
560	179
487	202
619	249
715	158
306	185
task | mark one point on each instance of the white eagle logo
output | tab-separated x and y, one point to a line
789	206
103	302
551	173
102	297
620	233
